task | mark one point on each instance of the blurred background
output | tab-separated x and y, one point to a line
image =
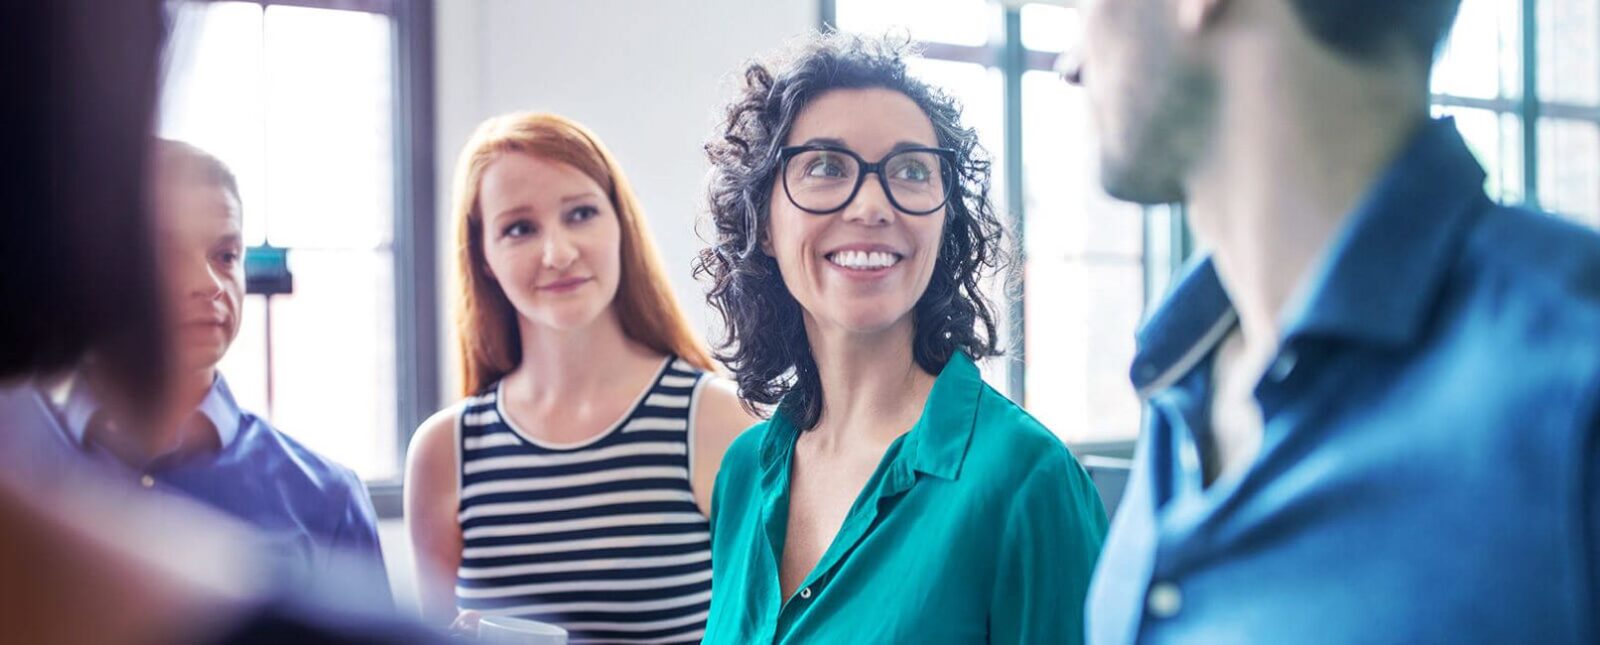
343	118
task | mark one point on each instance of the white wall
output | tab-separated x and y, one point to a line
650	77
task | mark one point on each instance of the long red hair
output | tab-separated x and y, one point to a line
487	323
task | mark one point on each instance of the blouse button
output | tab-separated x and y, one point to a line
805	593
147	481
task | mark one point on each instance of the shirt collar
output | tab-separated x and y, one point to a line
1377	282
218	407
936	444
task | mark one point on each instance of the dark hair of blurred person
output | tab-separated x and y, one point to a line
77	273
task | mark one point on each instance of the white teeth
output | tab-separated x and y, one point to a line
864	259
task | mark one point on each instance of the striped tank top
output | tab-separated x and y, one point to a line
602	538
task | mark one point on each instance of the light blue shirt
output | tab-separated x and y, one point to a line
1430	466
315	514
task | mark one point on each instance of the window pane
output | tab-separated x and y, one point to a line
1483	56
1569	51
330	156
958	22
1496	139
1085	278
1050	28
980	91
333	359
1569	168
214	101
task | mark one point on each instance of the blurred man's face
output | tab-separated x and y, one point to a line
202	255
1151	99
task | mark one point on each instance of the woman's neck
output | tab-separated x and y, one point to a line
873	390
574	364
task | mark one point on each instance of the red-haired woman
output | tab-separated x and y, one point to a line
572	484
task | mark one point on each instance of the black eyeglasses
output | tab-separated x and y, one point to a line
822	179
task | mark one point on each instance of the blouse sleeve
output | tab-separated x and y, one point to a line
1047	553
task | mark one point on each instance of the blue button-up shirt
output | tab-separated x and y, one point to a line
314	514
1430	467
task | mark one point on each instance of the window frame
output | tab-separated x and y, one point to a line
1530	108
413	249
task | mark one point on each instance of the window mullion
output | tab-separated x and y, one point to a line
1013	64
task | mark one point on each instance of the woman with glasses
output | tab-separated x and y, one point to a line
892	496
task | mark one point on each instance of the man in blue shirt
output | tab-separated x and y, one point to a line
1374	402
315	514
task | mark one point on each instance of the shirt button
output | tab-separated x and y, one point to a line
1165	600
1147	372
805	592
147	481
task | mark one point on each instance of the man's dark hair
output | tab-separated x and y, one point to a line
1370	29
766	345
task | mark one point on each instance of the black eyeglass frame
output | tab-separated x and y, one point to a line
946	155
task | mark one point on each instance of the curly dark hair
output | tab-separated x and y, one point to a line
765	343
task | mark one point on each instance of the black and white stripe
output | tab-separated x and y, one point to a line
602	538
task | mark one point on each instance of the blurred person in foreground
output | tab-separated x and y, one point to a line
1375	402
90	559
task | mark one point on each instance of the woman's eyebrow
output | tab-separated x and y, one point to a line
825	141
907	145
578	197
522	210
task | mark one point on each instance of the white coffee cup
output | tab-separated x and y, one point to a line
504	630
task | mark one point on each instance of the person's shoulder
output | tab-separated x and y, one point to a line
1544	256
437	433
1011	445
1005	426
744	453
297	461
719	410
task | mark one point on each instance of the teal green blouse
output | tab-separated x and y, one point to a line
977	526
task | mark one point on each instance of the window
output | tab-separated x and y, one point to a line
309	107
1530	113
1089	263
